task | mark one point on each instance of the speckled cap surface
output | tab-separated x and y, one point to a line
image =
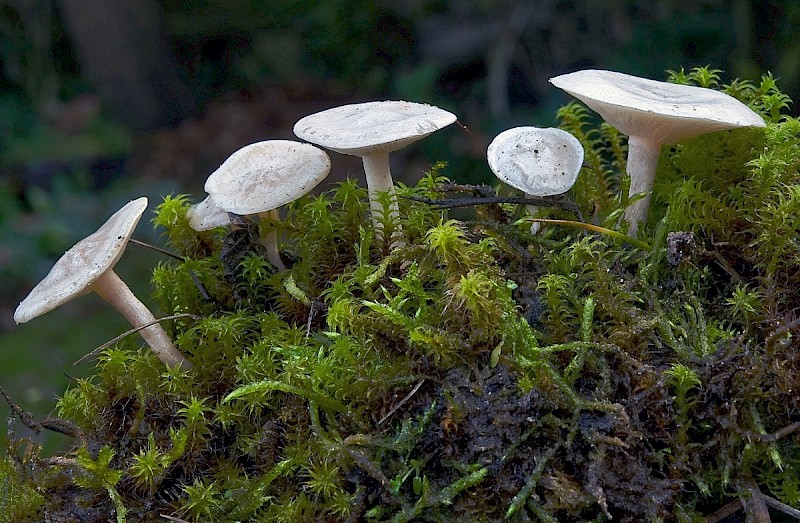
537	161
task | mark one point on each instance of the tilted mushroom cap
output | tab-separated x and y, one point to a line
83	264
265	175
659	112
372	127
540	162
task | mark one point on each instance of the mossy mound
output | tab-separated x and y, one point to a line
472	371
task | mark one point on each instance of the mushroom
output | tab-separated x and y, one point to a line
88	266
260	177
371	131
205	216
652	114
538	162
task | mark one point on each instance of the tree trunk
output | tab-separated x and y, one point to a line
125	51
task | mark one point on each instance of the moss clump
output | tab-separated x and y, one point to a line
476	372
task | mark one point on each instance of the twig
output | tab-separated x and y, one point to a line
156	249
753	502
471	136
99	349
785	329
778	434
171	254
725	511
453	203
402	401
782	507
53	424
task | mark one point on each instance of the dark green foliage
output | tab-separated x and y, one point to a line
471	371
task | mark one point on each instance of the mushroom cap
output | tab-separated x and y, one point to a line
372	127
265	175
659	112
205	216
539	162
83	264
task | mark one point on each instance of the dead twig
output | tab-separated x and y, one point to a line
51	423
453	203
107	344
402	401
159	250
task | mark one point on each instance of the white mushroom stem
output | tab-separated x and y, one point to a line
535	226
641	167
270	240
379	179
111	288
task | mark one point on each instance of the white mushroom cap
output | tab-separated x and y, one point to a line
659	112
83	264
372	127
539	162
653	113
205	216
265	175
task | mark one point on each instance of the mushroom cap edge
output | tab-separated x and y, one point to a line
660	112
369	128
83	264
265	175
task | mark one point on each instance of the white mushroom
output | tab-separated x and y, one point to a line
371	131
88	267
205	216
260	177
538	162
652	114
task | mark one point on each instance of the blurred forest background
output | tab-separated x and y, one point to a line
102	101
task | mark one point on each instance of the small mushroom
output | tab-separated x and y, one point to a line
538	162
260	177
652	114
88	267
205	216
371	131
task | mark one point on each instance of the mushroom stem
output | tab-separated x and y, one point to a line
535	226
270	240
641	167
111	288
379	179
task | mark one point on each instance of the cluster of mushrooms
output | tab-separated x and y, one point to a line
259	178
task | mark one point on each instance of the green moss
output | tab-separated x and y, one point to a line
472	371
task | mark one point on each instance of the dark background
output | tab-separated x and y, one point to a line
102	101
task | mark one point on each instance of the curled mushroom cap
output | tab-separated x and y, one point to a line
653	113
266	175
371	131
539	162
88	267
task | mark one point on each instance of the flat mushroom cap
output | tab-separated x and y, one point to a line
539	162
372	127
659	112
265	175
83	264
